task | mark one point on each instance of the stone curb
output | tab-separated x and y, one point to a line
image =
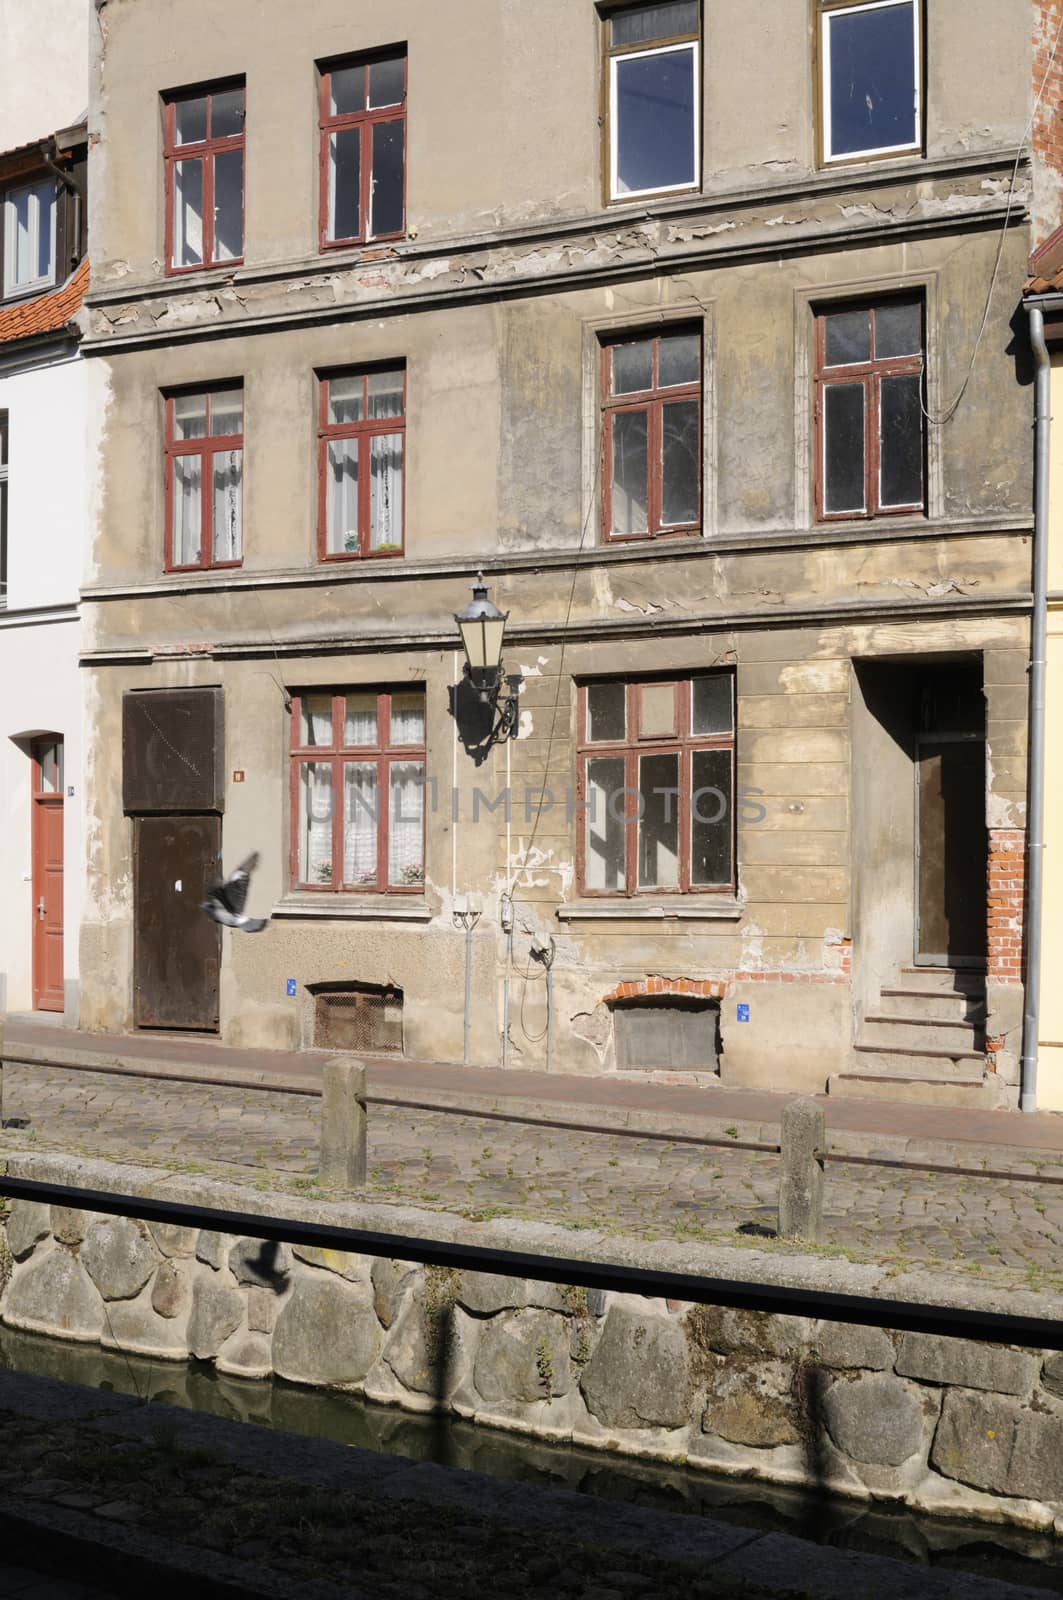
793	1269
606	1119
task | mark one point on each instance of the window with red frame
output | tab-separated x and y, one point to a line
870	435
651	417
357	800
656	782
204	478
204	159
363	149
361	449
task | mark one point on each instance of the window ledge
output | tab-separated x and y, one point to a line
714	910
384	908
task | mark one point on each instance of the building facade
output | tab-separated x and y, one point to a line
44	416
725	413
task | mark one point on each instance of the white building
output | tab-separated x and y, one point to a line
44	418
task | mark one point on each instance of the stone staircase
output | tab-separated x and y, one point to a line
924	1042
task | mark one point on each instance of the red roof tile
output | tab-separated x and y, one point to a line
45	313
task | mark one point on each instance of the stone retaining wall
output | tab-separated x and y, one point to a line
937	1424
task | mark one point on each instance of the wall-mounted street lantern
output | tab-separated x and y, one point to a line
482	628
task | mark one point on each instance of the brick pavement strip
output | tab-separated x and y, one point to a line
993	1228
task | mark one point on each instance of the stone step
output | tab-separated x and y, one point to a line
930	1061
932	1004
983	1094
921	1033
965	980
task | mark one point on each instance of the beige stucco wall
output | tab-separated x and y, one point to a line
503	105
1050	1030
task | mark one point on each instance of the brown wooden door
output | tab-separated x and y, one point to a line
176	947
47	849
951	880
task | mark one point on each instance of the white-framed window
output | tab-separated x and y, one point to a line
29	237
871	73
653	68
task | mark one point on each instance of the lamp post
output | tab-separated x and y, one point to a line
482	627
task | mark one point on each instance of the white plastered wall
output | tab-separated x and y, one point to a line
43	68
42	688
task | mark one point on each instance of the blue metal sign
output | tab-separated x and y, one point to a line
743	1013
290	985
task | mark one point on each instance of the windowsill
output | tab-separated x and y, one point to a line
28	291
692	909
382	908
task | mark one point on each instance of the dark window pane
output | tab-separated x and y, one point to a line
710	817
387	81
229	205
901	458
898	328
227	114
872	79
659	822
654	112
633	366
346	90
386	207
607	806
713	710
654	22
680	447
843	428
190	121
679	360
628	498
344	184
847	337
605	712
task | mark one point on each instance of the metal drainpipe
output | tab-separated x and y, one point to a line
1035	837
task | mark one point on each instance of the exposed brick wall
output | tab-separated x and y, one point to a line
1006	896
693	988
1047	131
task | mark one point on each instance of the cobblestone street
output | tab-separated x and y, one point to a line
607	1181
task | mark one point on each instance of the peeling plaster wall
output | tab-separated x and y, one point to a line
472	167
496	302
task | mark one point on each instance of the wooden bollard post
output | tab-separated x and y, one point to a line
801	1182
343	1124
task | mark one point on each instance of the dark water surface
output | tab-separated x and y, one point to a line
1008	1554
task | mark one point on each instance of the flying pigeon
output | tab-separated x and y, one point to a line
226	900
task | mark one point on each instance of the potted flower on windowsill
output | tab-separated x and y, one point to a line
323	872
411	876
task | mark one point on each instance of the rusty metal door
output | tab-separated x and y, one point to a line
176	948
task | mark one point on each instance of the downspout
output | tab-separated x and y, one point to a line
71	187
1035	836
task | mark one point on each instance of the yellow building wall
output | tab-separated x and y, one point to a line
1050	1051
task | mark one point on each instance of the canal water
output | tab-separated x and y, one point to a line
1012	1555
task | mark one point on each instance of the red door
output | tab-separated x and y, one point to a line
48	875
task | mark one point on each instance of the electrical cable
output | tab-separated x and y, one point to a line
944	417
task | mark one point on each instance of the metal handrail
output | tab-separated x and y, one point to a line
694	1288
